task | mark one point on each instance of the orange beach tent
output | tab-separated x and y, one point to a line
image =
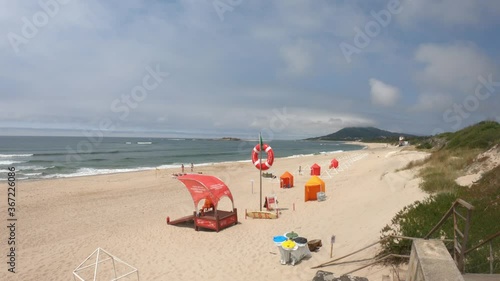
286	180
313	186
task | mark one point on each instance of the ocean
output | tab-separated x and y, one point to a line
58	157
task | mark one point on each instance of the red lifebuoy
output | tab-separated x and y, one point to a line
269	160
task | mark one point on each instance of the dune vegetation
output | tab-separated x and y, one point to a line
473	150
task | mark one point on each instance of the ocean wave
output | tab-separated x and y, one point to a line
77	153
17	178
331	152
15	155
34	168
32	174
144	142
199	154
10	162
169	166
299	155
92	171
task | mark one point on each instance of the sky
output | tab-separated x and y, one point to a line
290	69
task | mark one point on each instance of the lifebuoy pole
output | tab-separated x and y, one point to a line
260	168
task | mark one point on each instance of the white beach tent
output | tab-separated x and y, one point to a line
101	265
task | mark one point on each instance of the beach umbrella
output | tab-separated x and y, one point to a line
334	163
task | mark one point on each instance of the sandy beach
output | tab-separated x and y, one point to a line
62	221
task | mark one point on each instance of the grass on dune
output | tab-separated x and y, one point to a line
448	161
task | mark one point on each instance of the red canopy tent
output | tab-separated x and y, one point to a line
209	188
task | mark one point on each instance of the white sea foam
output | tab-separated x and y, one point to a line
144	142
299	155
34	168
331	152
15	155
10	162
91	172
32	174
170	166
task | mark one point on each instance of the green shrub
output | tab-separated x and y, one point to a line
455	152
425	145
482	135
416	220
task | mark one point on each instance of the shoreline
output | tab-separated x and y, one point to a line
125	214
169	166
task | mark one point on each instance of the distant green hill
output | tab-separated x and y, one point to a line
362	134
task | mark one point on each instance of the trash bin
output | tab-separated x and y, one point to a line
278	240
301	251
321	196
288	247
291	235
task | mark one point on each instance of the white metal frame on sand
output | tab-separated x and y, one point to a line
98	252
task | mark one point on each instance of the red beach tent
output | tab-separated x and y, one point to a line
334	163
315	170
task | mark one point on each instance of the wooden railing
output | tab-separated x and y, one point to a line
374	260
460	240
460	237
487	240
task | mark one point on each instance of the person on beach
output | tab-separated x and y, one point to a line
300	170
182	168
208	206
192	167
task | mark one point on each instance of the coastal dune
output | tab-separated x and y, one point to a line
62	221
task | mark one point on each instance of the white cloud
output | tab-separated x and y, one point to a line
449	79
264	55
451	67
383	94
432	102
300	122
298	58
448	12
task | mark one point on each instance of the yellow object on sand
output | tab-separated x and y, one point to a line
289	244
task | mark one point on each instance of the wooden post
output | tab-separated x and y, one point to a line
331	245
491	257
